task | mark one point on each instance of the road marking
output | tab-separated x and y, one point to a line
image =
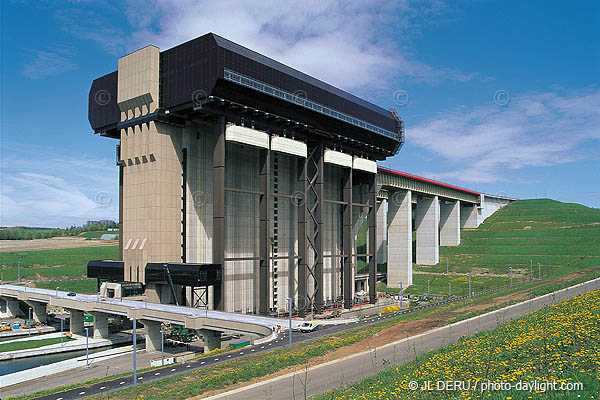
60	398
229	356
252	350
187	366
216	359
101	388
140	378
262	347
81	393
122	383
173	370
156	374
202	362
241	352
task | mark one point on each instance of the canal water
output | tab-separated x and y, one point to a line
21	364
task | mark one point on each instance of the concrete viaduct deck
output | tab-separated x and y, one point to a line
435	210
209	323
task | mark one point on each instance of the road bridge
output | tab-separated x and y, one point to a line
209	323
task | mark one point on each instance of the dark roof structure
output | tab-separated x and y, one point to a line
211	68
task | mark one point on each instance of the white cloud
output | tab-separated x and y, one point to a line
43	64
44	200
55	189
539	129
350	44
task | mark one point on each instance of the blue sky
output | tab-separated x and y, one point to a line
501	97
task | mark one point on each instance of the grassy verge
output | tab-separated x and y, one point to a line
224	375
441	284
31	344
53	263
558	343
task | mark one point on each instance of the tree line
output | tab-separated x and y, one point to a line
27	233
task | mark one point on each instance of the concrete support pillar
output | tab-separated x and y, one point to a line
212	339
381	248
218	239
38	311
427	221
76	322
372	240
449	223
9	308
100	325
468	216
399	239
153	337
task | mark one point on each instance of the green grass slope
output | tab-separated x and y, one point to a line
562	237
53	263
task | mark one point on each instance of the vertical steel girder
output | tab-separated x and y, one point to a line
300	199
372	233
264	239
183	205
218	243
348	240
311	264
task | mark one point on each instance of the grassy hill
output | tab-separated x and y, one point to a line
562	237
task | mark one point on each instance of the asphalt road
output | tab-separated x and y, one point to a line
317	383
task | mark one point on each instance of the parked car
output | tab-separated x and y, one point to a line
71	294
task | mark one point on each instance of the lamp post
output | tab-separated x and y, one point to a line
162	347
449	289
61	332
469	284
19	271
29	324
87	347
427	287
401	297
56	295
134	352
290	318
530	269
511	276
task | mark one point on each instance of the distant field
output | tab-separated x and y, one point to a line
562	237
53	263
87	286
